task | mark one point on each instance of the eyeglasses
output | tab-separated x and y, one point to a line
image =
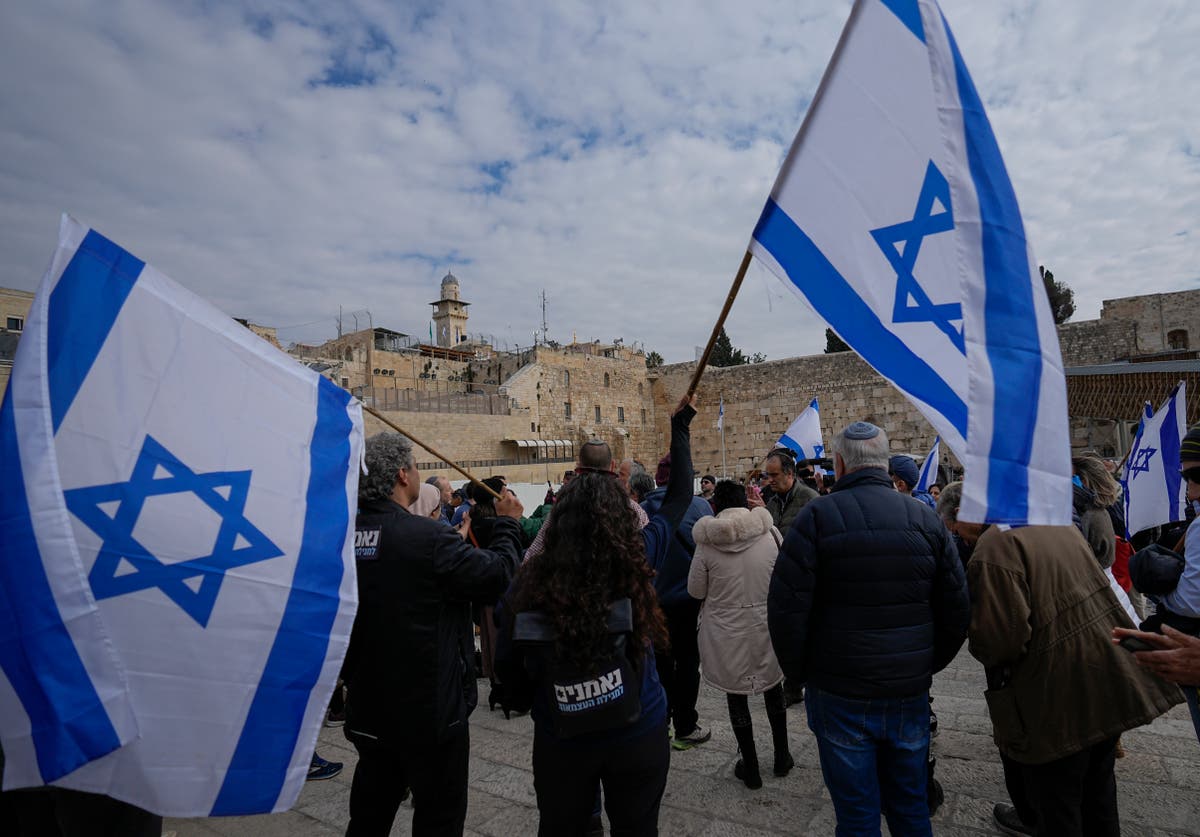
1192	475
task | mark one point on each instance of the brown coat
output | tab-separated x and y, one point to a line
731	572
1042	614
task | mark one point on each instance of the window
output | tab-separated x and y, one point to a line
567	409
621	415
639	389
345	383
16	324
566	378
1176	339
607	383
532	428
643	415
349	355
597	412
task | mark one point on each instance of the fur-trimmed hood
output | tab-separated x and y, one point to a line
733	530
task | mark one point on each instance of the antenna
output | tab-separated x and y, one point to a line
543	316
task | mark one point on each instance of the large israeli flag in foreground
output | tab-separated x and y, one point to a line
929	468
1155	491
893	216
804	434
176	569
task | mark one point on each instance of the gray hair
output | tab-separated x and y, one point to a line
949	501
862	453
635	467
386	454
640	484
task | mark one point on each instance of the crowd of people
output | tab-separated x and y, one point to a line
601	612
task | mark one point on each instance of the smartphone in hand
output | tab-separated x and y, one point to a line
1132	644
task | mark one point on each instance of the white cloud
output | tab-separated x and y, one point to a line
285	158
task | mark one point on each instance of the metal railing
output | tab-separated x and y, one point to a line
416	401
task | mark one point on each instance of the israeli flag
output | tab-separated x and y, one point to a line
804	434
177	577
1155	491
893	216
929	468
721	415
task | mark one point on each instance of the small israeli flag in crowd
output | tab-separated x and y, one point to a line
177	577
894	217
1155	491
929	468
804	434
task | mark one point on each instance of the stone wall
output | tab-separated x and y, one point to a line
762	399
1091	342
1155	316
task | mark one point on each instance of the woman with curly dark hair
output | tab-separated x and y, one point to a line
579	628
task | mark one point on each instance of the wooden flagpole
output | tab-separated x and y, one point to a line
733	291
417	441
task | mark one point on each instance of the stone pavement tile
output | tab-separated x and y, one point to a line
975	777
189	828
967	810
513	820
1176	746
286	824
1141	767
770	809
330	804
507	783
980	725
1160	806
957	744
1184	773
729	829
482	807
513	750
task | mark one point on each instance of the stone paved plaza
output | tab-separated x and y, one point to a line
1158	781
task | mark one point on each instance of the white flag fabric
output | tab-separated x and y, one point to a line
1155	491
929	468
721	415
177	578
893	216
804	434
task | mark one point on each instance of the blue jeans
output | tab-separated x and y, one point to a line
874	755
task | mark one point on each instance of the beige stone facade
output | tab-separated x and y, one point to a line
14	310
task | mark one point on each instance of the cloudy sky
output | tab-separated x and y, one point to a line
284	158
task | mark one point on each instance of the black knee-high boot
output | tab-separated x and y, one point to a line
747	767
777	716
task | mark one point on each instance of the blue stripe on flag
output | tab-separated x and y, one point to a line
1168	449
83	307
259	765
835	300
788	442
1008	311
910	15
68	723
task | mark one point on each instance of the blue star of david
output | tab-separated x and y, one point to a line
818	451
119	545
911	233
1139	461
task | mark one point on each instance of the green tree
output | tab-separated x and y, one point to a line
833	343
1062	298
724	354
653	360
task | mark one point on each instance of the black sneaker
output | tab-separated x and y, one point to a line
1007	820
319	768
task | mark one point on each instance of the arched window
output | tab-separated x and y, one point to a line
606	381
566	377
349	355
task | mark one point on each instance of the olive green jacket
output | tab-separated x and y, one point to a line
1042	615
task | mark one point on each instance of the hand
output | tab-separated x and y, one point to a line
1179	659
686	401
754	500
509	506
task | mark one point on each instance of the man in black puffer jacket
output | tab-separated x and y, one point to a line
867	601
410	671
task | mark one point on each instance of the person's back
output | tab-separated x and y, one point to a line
883	563
867	602
408	669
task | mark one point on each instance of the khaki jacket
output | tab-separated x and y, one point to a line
1042	614
731	572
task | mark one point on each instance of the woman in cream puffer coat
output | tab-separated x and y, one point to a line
731	573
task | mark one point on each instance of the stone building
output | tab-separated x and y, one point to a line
14	309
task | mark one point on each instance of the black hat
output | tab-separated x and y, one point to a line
1189	448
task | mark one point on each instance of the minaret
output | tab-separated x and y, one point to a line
449	314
